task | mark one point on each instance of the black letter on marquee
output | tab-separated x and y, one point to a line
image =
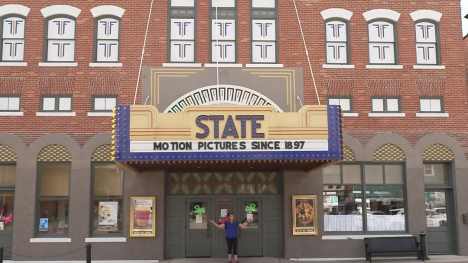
202	126
256	125
216	119
243	119
230	129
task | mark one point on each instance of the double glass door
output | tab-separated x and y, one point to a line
205	240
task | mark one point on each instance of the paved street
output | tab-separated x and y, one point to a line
433	259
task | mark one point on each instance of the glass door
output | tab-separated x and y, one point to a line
198	229
250	242
439	220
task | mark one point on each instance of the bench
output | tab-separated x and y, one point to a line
393	245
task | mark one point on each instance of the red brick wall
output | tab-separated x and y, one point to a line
291	54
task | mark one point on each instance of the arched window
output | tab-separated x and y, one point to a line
337	35
427	37
60	33
12	32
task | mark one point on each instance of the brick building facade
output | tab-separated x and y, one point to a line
404	95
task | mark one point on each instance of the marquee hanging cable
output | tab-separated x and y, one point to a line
307	52
143	52
217	54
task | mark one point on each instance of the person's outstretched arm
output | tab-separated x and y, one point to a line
245	224
217	225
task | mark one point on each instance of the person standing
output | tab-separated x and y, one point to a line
231	234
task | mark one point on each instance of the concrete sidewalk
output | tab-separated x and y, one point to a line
433	259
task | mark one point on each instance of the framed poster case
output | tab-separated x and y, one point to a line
304	212
143	217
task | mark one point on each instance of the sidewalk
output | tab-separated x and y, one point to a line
433	259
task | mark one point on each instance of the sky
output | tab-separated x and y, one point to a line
464	10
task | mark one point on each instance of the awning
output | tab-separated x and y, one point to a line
222	137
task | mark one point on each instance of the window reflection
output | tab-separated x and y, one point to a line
342	208
436	211
386	208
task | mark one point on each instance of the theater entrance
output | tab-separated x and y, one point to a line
194	198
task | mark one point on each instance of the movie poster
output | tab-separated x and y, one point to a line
304	214
143	218
108	213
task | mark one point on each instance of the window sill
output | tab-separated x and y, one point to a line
100	114
13	113
58	64
106	65
50	240
73	114
264	65
337	66
350	114
428	67
105	239
358	237
182	65
385	66
13	64
222	65
400	114
430	114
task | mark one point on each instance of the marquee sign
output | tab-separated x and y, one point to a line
226	134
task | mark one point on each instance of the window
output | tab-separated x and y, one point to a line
107	199
60	39
436	174
54	197
56	103
431	104
182	15
427	47
104	103
12	38
382	42
354	190
9	103
386	104
107	39
264	31
337	46
346	103
7	195
224	31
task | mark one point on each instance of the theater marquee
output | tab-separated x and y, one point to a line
145	139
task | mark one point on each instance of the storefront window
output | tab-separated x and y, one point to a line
7	197
107	199
54	194
436	173
380	197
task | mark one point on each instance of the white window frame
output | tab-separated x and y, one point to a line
175	8
385	104
7	11
93	103
341	15
11	97
440	99
253	17
57	103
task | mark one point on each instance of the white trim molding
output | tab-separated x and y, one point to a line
432	114
350	114
103	10
337	66
60	10
222	65
105	239
50	240
13	64
387	114
58	64
384	66
426	14
100	114
106	65
336	13
56	114
357	237
182	65
381	13
264	65
14	9
428	67
11	113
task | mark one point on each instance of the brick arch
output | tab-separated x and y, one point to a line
438	152
102	154
54	153
7	154
389	152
